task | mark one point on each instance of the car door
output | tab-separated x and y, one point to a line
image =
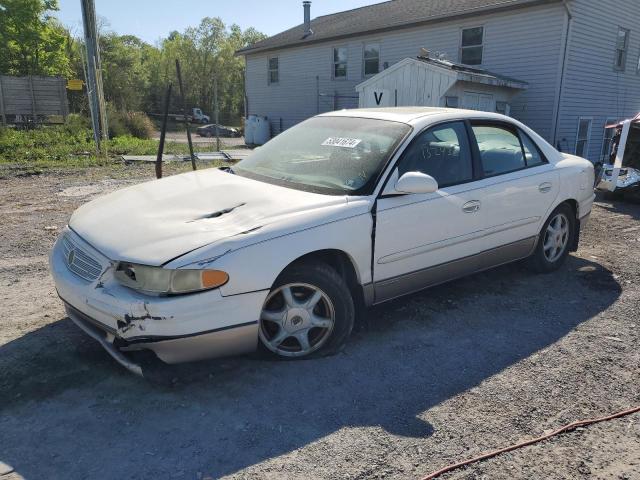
420	237
519	183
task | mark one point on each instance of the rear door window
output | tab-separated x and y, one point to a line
532	154
500	149
443	152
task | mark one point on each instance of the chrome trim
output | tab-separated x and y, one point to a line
395	287
471	207
79	261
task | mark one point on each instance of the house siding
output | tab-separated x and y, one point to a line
526	44
592	88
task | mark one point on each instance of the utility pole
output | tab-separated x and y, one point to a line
94	72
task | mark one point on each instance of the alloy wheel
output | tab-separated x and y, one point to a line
297	319
556	237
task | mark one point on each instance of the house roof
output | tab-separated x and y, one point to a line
457	70
380	17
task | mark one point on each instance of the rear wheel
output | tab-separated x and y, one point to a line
554	240
309	312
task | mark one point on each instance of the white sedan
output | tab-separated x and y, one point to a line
343	211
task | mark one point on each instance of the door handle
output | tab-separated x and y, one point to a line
545	187
471	207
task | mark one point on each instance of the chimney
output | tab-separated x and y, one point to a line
307	18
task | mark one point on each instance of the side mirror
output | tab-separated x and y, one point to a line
416	182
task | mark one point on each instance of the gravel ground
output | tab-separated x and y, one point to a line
426	380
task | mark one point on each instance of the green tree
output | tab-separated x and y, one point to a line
126	68
207	52
33	42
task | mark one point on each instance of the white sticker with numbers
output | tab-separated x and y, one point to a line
341	142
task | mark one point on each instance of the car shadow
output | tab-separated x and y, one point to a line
627	207
66	409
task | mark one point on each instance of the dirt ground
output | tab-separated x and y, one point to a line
427	380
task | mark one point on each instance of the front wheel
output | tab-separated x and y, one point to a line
309	312
554	240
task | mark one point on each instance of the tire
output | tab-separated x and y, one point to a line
546	258
308	300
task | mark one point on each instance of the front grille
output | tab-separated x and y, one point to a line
79	261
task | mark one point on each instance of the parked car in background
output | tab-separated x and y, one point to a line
620	176
210	131
345	210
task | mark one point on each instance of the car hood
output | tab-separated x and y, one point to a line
155	222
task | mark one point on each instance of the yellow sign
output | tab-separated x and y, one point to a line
74	84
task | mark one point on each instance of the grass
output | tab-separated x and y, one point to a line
70	147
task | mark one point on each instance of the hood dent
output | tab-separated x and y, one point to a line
157	222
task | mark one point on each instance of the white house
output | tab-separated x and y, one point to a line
580	60
431	82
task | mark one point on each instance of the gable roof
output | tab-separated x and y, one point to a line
457	71
380	17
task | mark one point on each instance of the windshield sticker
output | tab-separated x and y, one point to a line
341	142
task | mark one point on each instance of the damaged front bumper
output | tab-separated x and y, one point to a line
177	329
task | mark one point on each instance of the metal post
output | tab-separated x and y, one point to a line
163	132
2	112
186	116
34	112
216	113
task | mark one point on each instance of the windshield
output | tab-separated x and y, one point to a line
332	155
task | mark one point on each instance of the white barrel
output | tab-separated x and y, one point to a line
262	131
249	130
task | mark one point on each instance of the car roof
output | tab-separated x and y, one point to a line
412	115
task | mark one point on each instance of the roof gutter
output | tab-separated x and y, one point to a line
498	7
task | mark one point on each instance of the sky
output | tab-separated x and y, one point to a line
151	20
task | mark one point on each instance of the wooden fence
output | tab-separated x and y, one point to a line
33	99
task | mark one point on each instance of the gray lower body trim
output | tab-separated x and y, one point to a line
368	293
418	280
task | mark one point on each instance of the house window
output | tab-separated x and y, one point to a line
371	59
607	139
622	46
471	46
340	62
582	138
274	70
451	102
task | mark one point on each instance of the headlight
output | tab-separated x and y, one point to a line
164	281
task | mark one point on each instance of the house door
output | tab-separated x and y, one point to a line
478	101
